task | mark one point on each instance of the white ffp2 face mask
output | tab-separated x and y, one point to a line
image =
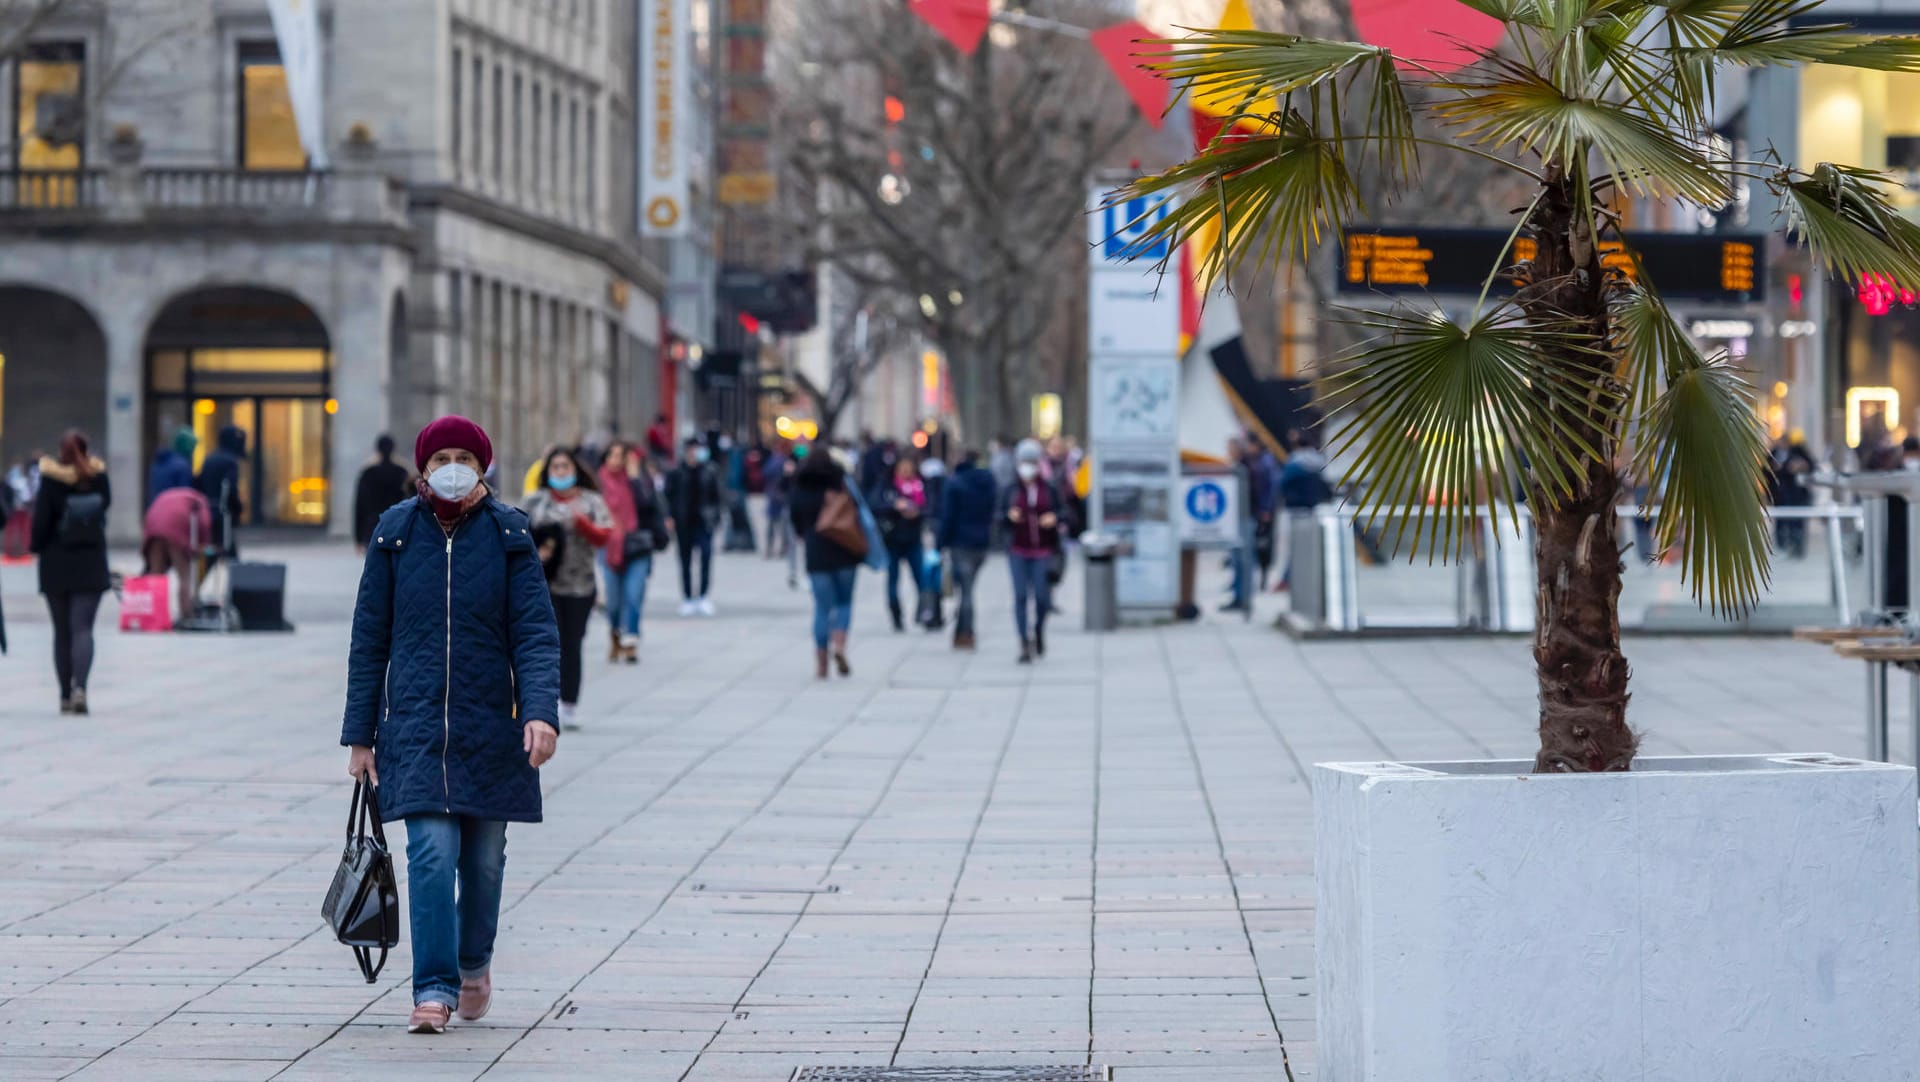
453	481
1027	471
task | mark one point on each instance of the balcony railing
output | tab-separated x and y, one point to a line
42	189
129	193
176	187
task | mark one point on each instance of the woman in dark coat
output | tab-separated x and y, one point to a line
452	692
831	569
70	537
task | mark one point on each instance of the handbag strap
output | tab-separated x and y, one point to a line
369	968
363	817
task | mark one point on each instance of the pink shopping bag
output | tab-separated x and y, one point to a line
143	604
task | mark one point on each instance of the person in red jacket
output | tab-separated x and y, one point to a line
572	523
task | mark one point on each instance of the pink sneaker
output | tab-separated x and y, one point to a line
429	1018
476	995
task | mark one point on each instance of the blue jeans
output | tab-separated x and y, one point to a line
453	938
626	593
832	603
912	558
1030	584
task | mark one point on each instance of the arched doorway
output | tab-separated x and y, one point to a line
257	361
53	373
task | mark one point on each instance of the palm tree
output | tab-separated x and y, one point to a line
1594	102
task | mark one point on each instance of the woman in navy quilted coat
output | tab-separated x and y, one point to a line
452	691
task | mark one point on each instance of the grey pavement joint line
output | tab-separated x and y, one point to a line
960	873
692	869
934	717
1220	844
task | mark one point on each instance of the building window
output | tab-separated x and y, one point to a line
499	114
593	165
479	128
269	135
519	132
49	89
535	172
458	112
573	155
552	151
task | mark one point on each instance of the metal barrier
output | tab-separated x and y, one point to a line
1344	582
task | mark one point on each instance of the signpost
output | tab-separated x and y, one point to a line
1133	379
1210	511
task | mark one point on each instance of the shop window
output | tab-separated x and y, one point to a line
269	135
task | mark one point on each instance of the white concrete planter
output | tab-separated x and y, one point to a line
1748	918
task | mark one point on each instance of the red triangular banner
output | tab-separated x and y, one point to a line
1417	30
1118	45
962	22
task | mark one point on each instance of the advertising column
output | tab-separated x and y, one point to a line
1133	387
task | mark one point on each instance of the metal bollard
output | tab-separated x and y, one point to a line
1102	608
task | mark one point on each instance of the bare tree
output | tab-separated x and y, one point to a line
863	330
20	20
961	202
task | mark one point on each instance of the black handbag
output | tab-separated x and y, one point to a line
363	904
635	546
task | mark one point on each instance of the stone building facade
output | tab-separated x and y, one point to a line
168	258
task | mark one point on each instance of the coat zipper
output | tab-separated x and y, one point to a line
446	692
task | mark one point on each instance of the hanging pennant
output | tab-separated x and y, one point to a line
962	22
1119	45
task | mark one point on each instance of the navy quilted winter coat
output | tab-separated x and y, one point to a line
476	605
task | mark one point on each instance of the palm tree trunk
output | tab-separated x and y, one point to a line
1576	639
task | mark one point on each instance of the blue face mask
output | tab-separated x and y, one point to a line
560	484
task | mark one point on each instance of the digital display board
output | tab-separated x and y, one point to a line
1685	266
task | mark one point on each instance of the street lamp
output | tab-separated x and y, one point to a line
927	306
894	188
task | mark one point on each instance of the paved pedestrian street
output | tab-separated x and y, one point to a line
945	860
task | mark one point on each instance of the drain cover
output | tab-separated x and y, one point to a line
1058	1072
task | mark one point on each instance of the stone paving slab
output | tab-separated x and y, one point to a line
946	860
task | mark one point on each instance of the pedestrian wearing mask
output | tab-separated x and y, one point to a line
832	568
452	688
1032	509
694	508
640	530
70	537
900	504
570	517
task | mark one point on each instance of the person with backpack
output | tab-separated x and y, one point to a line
70	537
827	521
452	691
1034	513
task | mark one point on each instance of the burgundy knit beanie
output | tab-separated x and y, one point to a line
456	432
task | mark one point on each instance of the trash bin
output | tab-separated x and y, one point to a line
1102	612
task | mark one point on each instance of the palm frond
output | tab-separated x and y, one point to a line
1515	12
1652	345
1704	455
1255	71
1516	107
1761	34
1442	417
1272	195
1695	23
1847	217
